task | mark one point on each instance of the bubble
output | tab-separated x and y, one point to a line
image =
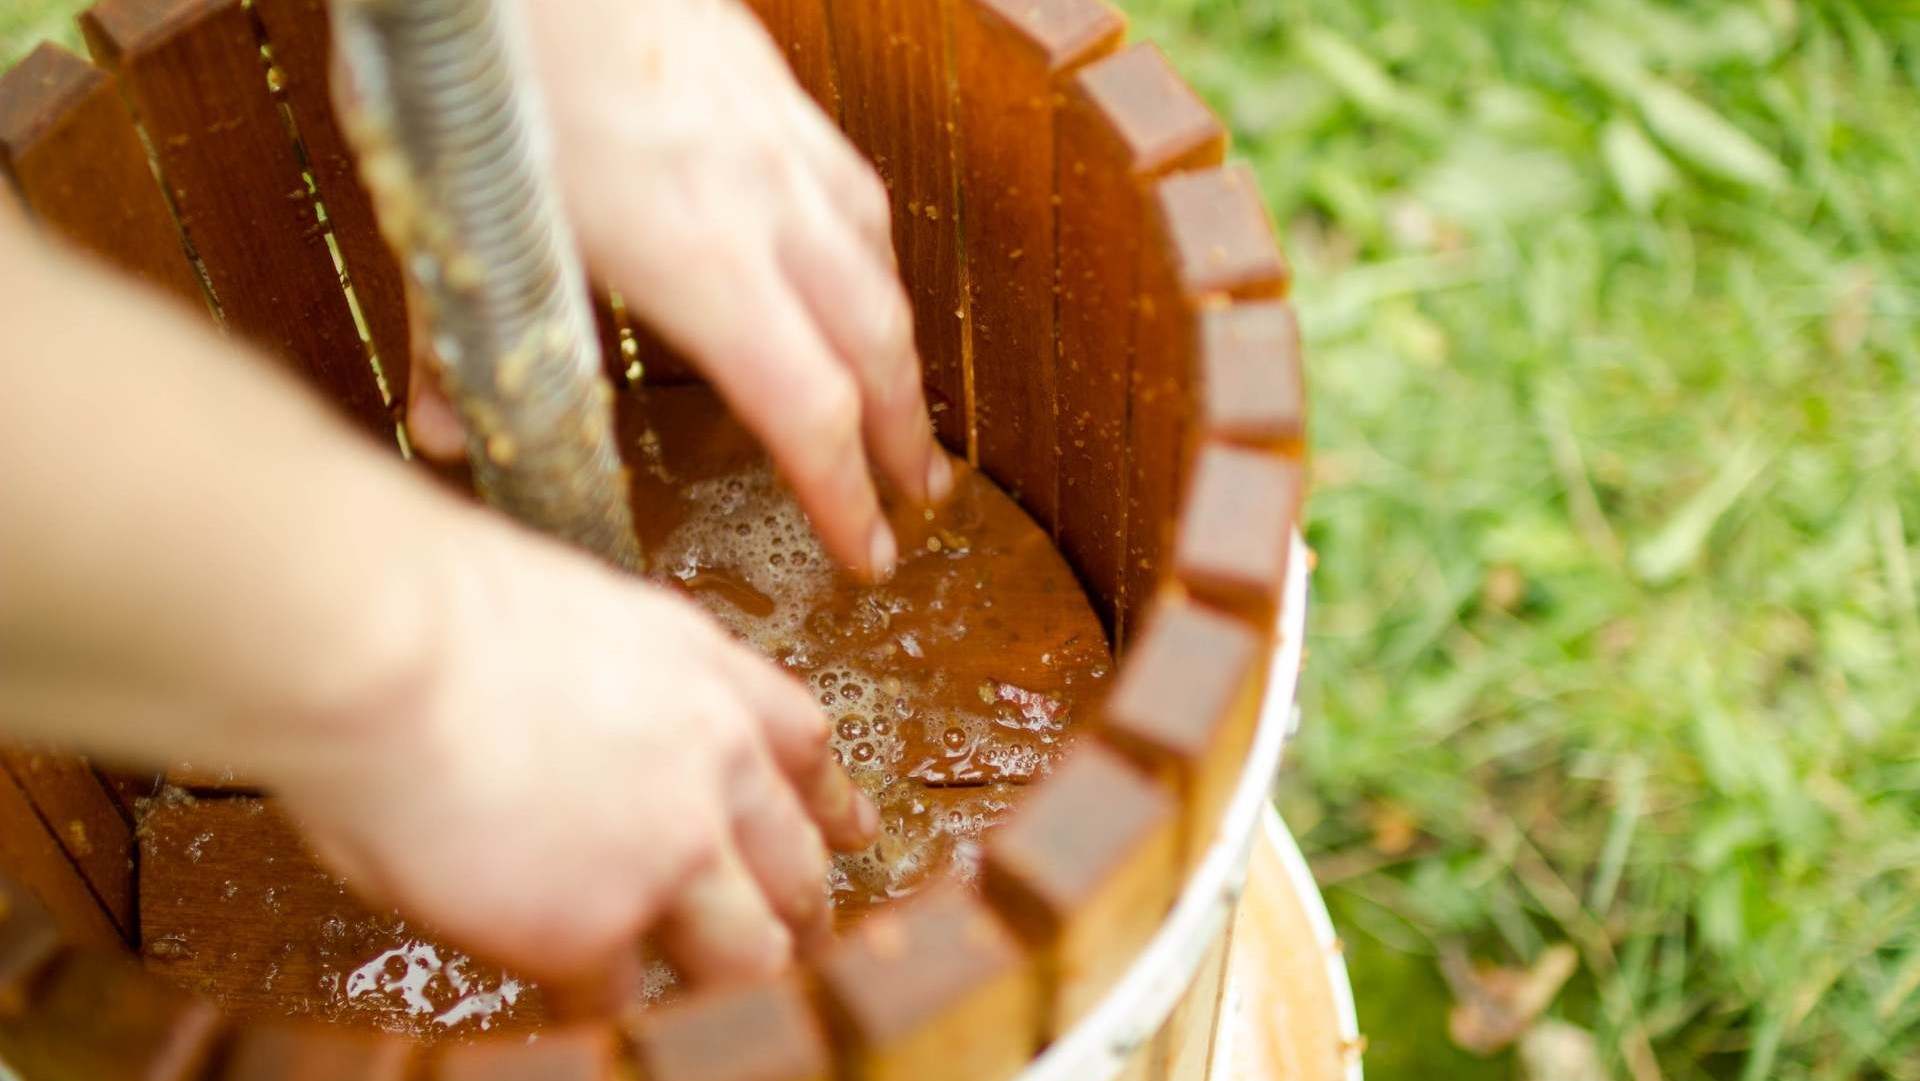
953	738
851	728
863	751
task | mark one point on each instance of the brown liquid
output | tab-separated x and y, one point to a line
949	688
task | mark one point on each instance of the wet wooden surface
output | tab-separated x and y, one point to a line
890	64
1125	121
762	1032
233	906
949	686
91	1020
1011	59
1251	385
799	28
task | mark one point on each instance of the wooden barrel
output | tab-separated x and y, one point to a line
1101	311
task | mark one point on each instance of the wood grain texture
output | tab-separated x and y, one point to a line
31	857
1083	872
234	907
896	105
96	1016
934	990
1125	121
1185	705
1277	969
30	941
86	821
1236	528
1010	59
290	1051
1212	242
1251	388
800	28
193	73
1183	1049
300	37
70	149
759	1032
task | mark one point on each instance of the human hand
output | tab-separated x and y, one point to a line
709	190
585	758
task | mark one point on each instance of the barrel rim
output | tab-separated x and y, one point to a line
1101	1043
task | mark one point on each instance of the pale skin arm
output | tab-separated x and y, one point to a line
538	756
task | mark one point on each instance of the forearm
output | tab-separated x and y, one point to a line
196	560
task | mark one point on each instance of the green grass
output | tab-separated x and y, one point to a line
1611	309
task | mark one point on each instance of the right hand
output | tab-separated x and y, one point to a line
583	758
735	219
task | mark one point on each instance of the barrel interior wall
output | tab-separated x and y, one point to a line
1101	315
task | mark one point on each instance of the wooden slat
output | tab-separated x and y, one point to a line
1011	58
86	822
68	145
96	1016
895	105
289	1051
1235	529
800	28
30	940
1185	706
1083	872
758	1032
1283	1004
1183	1049
586	1053
30	856
933	990
192	70
1125	121
1212	242
1251	389
300	37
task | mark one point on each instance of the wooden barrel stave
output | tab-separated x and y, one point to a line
1150	300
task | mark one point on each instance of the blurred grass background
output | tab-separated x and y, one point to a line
1611	310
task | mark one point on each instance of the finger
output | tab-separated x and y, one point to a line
720	929
785	384
433	425
783	850
858	194
858	302
798	736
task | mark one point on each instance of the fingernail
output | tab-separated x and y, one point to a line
939	476
866	816
882	551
